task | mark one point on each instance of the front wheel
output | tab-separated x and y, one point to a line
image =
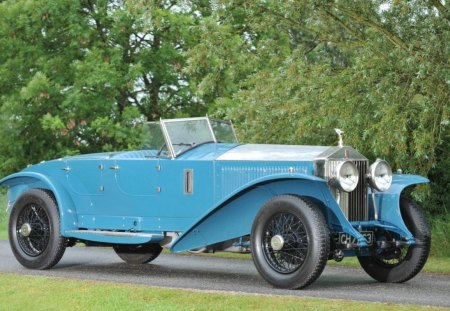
138	254
397	265
34	230
290	242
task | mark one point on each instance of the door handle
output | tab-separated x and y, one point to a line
115	167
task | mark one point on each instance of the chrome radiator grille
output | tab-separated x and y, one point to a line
354	205
357	199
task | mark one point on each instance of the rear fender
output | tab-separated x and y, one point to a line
234	216
20	182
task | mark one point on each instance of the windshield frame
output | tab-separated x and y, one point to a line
171	144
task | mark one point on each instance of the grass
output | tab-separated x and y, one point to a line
44	293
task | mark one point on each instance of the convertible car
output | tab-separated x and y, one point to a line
193	187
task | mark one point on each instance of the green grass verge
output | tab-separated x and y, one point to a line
43	293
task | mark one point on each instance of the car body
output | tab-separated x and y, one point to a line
193	187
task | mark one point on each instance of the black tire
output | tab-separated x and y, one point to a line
138	254
290	242
402	264
34	230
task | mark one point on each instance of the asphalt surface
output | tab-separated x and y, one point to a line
232	275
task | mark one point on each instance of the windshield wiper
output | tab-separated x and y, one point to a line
192	145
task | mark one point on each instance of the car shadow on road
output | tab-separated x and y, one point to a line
203	273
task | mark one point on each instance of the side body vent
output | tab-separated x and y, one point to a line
188	181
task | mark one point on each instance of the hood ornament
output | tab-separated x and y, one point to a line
339	132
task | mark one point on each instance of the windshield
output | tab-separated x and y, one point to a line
223	131
173	137
185	134
153	139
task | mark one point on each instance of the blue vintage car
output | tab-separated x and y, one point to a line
193	187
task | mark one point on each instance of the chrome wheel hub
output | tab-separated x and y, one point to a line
25	230
277	242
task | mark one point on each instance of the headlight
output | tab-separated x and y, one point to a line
380	175
346	176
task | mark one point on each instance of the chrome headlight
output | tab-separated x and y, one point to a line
380	176
346	176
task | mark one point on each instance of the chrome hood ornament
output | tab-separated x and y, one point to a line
339	132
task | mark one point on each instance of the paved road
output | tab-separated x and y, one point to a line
232	275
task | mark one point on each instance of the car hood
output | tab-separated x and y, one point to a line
246	152
253	152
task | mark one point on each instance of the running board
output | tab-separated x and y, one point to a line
107	236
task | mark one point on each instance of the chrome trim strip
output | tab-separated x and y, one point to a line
234	132
183	119
9	206
167	138
211	128
116	234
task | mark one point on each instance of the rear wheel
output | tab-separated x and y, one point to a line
397	265
34	230
290	242
138	254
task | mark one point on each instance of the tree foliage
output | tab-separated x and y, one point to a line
80	76
379	70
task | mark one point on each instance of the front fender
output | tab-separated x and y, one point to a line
388	203
402	181
233	217
20	182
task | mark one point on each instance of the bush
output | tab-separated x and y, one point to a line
440	239
438	202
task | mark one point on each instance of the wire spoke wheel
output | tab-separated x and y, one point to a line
400	264
393	257
33	230
290	242
290	231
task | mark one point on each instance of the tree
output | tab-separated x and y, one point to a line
378	70
80	76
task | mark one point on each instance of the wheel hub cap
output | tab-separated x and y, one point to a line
25	230
277	242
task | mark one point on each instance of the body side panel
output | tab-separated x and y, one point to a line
234	217
148	194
